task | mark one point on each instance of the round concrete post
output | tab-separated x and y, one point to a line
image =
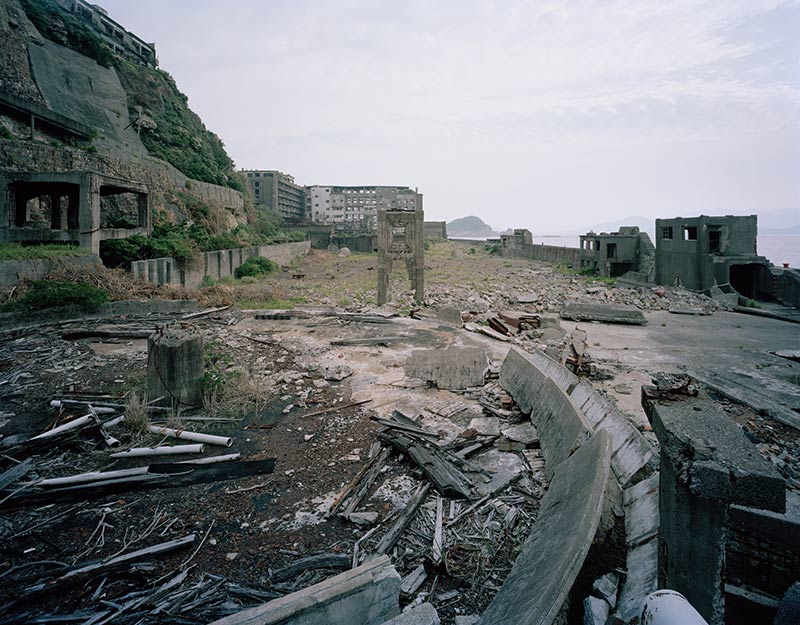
175	367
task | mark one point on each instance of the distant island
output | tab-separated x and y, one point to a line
472	227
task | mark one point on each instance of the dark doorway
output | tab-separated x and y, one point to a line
618	269
745	279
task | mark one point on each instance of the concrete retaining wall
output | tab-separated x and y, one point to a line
367	595
215	265
13	271
549	253
553	555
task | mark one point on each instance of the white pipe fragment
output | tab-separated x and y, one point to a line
667	607
212	459
75	423
58	403
91	476
165	450
196	437
113	422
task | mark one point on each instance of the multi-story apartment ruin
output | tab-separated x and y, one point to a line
356	208
121	40
274	190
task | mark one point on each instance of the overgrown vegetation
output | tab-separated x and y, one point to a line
171	131
44	294
15	251
255	267
270	303
493	249
5	133
185	241
59	25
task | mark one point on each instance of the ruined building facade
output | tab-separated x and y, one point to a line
699	252
612	254
356	207
121	40
400	237
274	190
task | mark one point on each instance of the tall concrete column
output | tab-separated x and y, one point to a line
89	213
707	464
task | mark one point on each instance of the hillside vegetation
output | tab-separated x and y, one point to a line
168	128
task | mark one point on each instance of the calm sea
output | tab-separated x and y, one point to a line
778	248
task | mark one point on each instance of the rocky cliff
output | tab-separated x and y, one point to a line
98	111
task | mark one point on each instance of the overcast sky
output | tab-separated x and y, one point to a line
548	114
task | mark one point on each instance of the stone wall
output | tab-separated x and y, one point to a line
214	265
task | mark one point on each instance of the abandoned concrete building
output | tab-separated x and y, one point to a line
274	190
702	251
121	40
71	207
356	207
612	254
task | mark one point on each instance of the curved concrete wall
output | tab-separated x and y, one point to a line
561	426
553	555
525	376
566	410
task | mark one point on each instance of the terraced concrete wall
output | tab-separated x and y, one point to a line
548	253
553	555
215	265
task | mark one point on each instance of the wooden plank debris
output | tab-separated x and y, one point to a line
336	561
403	520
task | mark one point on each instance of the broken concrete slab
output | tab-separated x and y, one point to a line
486	426
423	614
606	588
687	310
524	433
605	313
453	368
595	611
367	594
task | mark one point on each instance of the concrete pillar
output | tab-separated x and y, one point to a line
175	367
707	464
89	213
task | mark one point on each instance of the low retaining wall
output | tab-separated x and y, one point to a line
13	271
368	595
215	265
549	253
553	555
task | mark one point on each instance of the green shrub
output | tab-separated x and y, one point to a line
255	267
49	294
5	133
494	250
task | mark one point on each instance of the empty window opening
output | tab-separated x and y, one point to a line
611	250
597	245
45	205
714	240
690	233
666	232
121	208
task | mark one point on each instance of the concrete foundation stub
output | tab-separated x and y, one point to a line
175	367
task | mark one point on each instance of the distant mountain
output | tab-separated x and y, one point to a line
646	224
471	226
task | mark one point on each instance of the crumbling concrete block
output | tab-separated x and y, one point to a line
605	313
423	614
453	368
707	464
368	594
175	367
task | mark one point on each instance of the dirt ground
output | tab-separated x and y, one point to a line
281	390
